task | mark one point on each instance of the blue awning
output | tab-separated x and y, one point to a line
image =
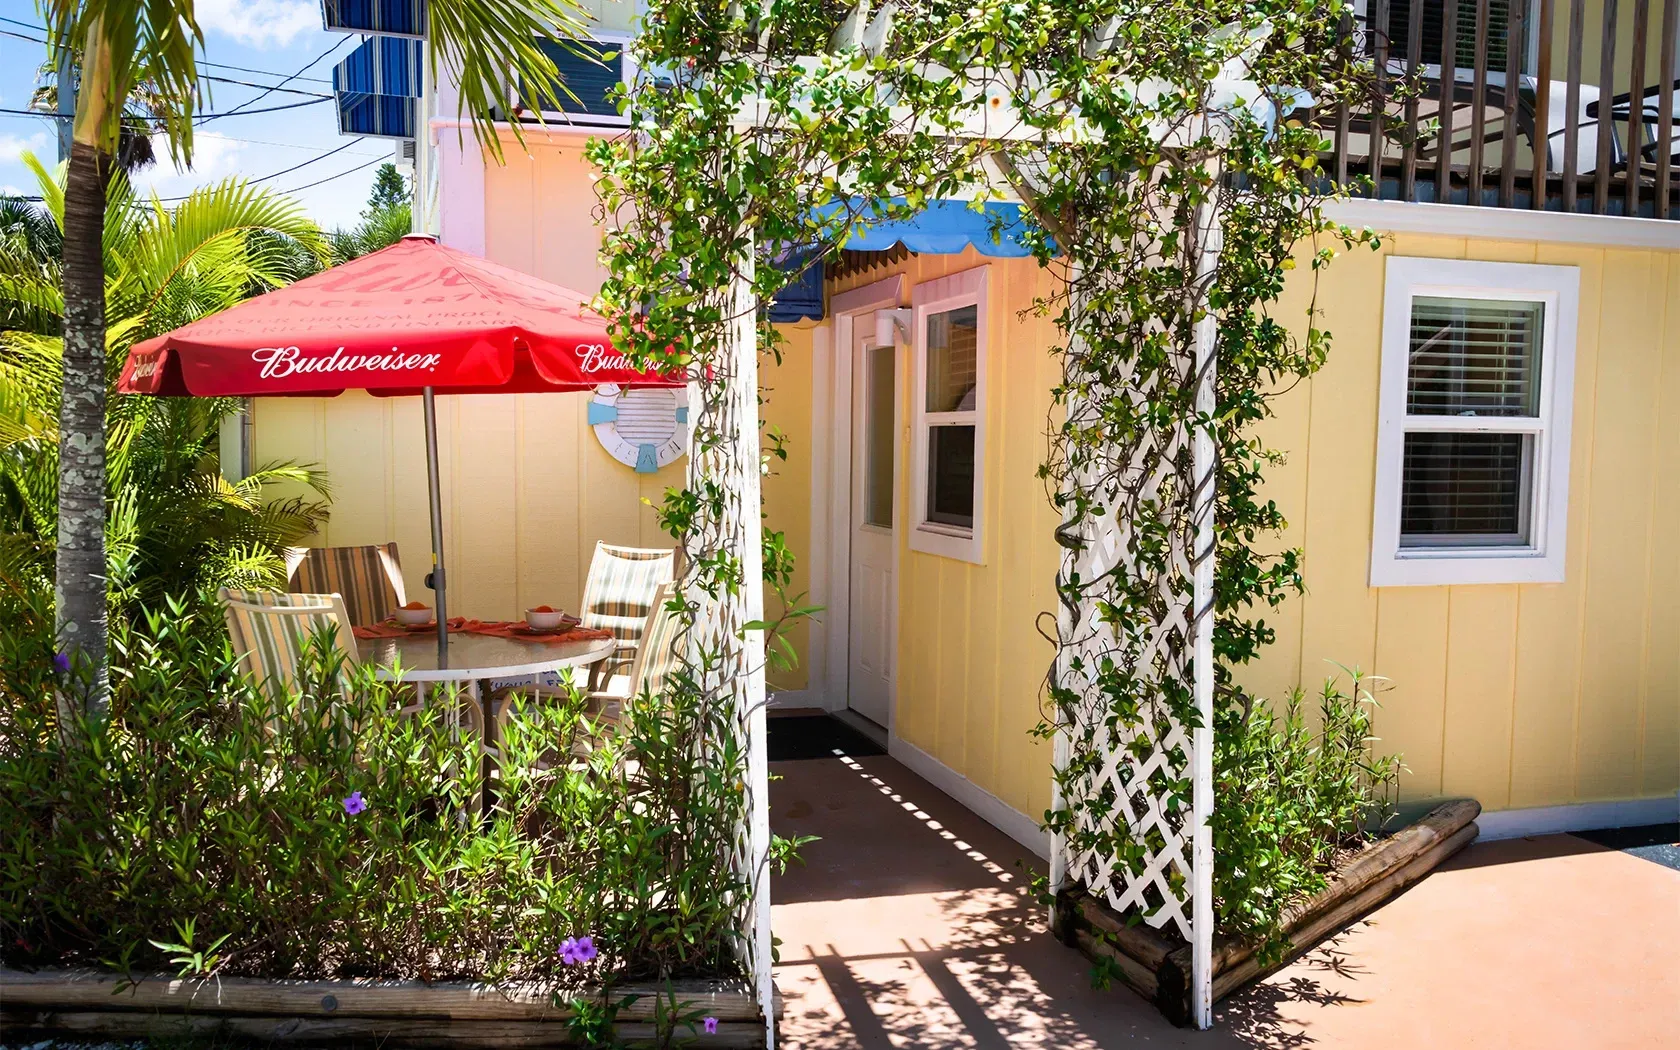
377	87
802	298
946	228
385	17
942	228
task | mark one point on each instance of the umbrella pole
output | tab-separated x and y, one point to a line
433	493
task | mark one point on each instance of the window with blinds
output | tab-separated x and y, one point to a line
1473	437
1470	359
952	376
1474	357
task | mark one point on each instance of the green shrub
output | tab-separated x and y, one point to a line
1288	796
205	827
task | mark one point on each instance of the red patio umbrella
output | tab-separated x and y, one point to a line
415	318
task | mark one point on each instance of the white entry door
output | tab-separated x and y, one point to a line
873	596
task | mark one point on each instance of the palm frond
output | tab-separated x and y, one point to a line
214	216
125	44
489	43
51	185
175	525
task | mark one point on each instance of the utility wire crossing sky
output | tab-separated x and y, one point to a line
266	74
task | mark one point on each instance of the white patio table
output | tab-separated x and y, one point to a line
475	659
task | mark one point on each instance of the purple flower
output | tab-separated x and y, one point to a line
577	950
353	803
61	663
711	1025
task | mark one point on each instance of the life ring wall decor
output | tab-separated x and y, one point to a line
644	427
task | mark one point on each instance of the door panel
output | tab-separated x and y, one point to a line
872	517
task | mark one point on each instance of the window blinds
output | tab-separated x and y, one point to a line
1465	489
1474	357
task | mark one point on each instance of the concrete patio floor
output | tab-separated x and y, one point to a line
908	927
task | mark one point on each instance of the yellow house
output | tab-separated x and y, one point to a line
1485	477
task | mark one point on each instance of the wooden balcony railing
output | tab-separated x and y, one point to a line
1565	105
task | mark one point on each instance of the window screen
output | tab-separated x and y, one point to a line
1474	357
950	495
1465	489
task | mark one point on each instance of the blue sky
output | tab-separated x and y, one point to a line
277	37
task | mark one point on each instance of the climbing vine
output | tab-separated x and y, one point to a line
1134	132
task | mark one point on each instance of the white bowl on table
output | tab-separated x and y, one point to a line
538	620
414	617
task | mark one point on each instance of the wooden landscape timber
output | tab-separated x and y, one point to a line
1157	967
446	1016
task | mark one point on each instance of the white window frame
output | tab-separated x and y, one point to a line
1541	560
953	292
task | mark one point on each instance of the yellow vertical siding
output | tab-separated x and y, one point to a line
1527	695
970	659
527	488
1521	696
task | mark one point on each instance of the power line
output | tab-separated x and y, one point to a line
306	68
240	112
247	83
202	61
294	189
340	175
288	171
198	119
263	72
282	145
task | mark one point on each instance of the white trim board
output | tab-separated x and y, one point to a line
1584	816
863	725
976	799
1507	224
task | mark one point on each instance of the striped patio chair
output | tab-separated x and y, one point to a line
656	657
369	578
270	631
619	594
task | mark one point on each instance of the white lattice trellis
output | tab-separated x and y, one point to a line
1137	771
1121	777
727	400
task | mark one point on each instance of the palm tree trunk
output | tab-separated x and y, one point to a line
81	574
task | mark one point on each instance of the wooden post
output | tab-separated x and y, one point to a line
741	371
1209	240
1067	622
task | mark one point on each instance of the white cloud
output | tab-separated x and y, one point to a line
12	147
259	23
215	157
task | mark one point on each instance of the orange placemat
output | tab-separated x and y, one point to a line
393	629
518	631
